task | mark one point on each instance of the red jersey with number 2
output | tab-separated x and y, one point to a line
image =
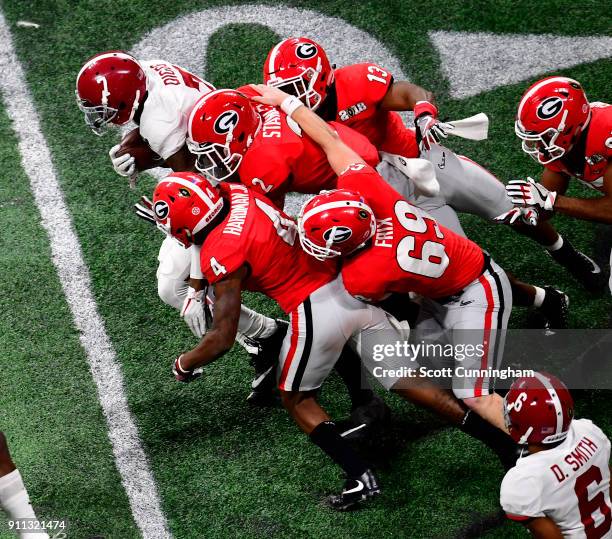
283	159
254	233
360	89
410	252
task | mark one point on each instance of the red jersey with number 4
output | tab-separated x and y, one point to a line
282	159
597	153
257	235
410	252
360	89
570	484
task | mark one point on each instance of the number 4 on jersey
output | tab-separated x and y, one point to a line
218	269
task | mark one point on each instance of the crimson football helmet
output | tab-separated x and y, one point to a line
109	89
335	223
538	409
299	67
184	203
222	126
552	114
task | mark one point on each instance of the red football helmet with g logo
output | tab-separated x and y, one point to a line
222	126
184	203
335	223
299	67
538	409
552	114
109	89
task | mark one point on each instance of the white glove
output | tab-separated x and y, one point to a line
124	165
192	311
530	193
529	216
431	131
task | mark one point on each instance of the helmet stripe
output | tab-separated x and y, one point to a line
332	205
555	399
274	54
189	185
102	57
539	85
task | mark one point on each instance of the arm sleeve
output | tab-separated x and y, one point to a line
375	81
521	496
266	171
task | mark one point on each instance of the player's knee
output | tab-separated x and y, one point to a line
171	291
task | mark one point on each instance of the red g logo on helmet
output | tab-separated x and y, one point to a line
549	108
226	122
305	51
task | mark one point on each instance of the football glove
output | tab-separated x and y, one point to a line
144	210
193	312
124	165
529	216
430	131
530	193
183	375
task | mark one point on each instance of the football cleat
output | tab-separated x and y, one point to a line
580	266
263	355
555	309
355	491
365	420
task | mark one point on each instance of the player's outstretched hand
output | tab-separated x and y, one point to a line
530	193
269	95
183	375
193	313
527	215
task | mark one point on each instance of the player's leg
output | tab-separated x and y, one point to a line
317	334
479	318
14	499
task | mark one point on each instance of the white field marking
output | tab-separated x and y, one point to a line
475	62
185	40
67	257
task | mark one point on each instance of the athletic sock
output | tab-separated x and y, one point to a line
557	245
540	294
496	439
350	370
16	503
327	437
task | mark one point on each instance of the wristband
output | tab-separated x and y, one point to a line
422	108
290	104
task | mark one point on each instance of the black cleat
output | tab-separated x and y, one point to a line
365	420
555	309
354	492
263	355
580	266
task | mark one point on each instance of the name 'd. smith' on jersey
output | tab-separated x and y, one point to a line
238	211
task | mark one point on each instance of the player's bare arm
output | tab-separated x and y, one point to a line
403	95
220	337
339	155
182	161
543	528
590	209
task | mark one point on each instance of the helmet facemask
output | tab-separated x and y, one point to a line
215	160
540	146
300	86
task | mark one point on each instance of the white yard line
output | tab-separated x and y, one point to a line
67	257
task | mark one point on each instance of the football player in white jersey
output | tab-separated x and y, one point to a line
14	500
561	486
114	88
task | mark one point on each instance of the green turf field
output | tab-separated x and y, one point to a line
222	468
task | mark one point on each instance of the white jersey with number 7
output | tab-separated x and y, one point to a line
570	484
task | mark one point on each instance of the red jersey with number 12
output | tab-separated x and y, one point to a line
254	233
410	252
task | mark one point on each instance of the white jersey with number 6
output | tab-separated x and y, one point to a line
570	484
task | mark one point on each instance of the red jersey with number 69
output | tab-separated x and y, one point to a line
360	89
254	233
569	483
282	159
410	251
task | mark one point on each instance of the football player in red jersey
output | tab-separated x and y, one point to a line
113	88
235	138
366	98
14	499
560	487
246	243
570	137
463	290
